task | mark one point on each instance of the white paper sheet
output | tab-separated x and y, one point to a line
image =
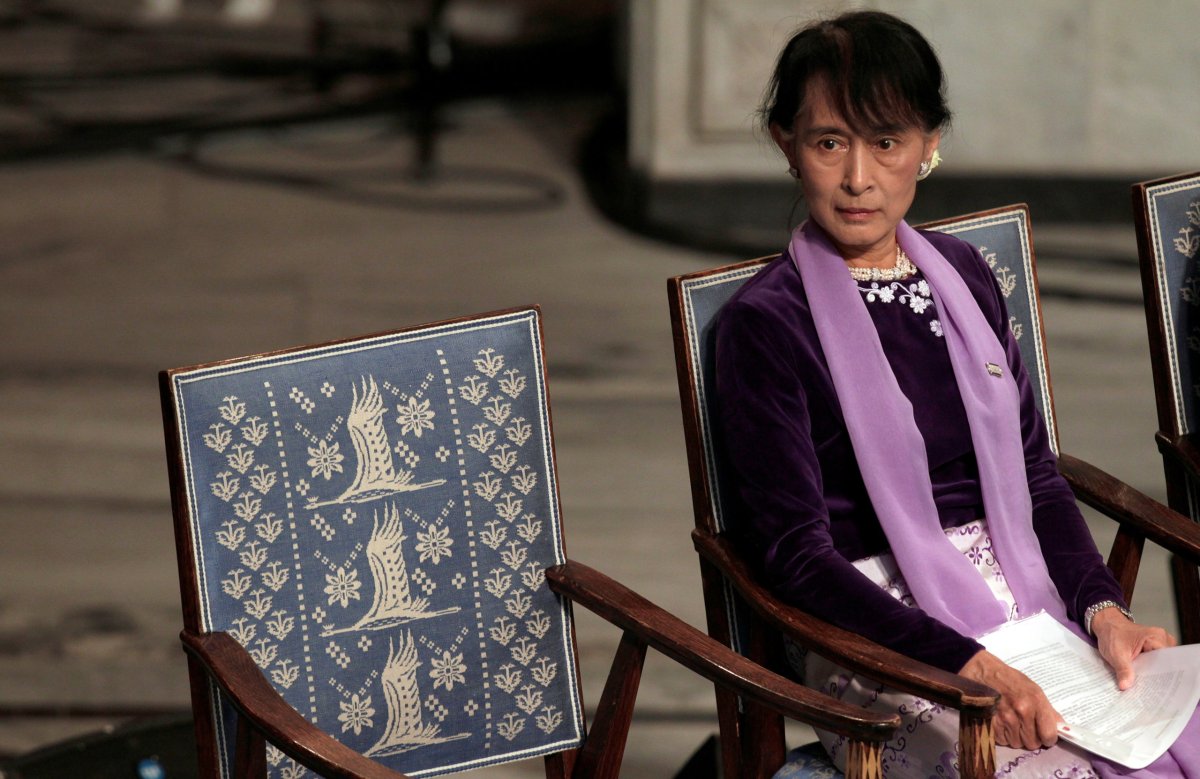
1134	727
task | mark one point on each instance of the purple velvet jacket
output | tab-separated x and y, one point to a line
800	497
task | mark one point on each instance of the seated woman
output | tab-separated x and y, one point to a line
890	461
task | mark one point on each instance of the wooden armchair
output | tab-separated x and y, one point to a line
744	614
373	574
1167	215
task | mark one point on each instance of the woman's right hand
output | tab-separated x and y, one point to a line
1024	718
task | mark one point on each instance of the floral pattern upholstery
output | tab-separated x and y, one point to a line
807	762
1173	219
371	521
1002	237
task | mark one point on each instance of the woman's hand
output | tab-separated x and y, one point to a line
1024	718
1120	639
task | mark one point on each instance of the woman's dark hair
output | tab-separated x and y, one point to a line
881	73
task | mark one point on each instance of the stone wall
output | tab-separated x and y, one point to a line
1091	88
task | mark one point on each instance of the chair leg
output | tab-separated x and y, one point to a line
202	713
605	747
561	765
762	736
729	719
762	742
1187	599
250	753
1125	558
864	760
977	746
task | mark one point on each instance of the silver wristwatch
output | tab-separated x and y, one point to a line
1096	608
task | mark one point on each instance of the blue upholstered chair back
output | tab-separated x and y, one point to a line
371	519
1167	213
1169	218
1003	238
1001	235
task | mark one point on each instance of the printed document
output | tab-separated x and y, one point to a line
1134	727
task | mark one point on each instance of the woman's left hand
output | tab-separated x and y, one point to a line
1120	640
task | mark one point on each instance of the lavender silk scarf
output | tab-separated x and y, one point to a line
894	464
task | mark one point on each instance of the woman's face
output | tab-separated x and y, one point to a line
857	187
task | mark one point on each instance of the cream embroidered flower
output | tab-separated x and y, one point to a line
416	417
916	302
886	293
356	714
917	297
935	327
448	670
435	544
342	587
325	459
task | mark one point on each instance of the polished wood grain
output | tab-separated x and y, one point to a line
605	746
1140	518
852	651
701	653
1131	508
250	752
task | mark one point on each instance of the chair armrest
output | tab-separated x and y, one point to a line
711	659
231	666
1117	500
1181	450
847	649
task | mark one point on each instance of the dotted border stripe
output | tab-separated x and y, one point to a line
291	514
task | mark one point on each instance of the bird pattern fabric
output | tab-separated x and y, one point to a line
371	520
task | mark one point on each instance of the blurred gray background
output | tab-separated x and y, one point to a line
187	183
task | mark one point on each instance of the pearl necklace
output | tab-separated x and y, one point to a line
901	270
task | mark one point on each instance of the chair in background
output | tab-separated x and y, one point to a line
742	613
1167	216
364	529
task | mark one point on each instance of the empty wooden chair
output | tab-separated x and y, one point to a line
364	530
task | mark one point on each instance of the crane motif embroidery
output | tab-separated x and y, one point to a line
376	475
